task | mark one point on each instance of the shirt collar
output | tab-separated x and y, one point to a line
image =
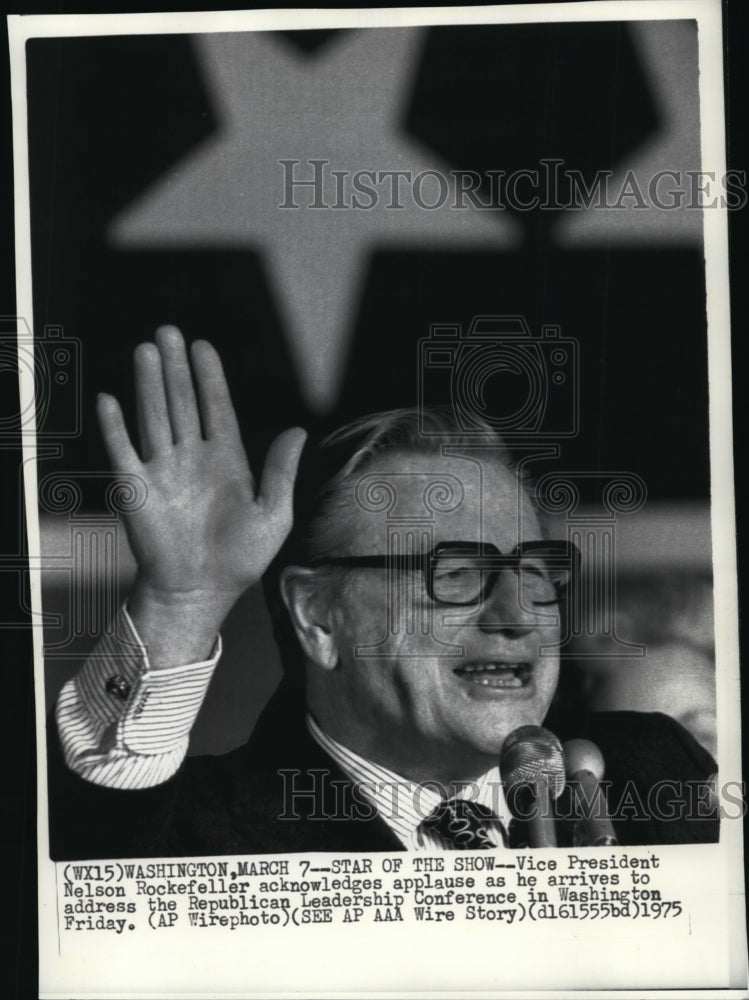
402	803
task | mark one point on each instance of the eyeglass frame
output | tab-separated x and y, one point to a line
492	560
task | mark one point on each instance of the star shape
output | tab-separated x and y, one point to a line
668	53
344	106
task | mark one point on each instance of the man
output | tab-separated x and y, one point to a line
416	603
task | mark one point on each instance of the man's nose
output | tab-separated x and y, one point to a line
504	609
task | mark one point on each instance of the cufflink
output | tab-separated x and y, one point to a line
118	687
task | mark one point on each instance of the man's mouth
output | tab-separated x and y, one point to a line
495	675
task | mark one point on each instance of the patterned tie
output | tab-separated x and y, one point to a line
462	824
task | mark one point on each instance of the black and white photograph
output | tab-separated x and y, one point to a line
375	396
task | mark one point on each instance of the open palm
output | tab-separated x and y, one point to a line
204	527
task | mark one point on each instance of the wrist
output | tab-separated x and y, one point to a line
177	627
207	603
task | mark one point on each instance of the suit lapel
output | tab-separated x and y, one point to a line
289	795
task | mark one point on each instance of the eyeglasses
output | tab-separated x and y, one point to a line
461	573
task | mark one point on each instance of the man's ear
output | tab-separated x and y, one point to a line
308	604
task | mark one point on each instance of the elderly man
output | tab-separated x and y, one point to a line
416	603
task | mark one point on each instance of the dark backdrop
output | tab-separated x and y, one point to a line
484	97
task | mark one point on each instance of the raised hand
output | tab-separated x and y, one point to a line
205	533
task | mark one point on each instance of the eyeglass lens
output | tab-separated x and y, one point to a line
467	580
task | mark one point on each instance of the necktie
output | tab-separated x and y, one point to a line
462	824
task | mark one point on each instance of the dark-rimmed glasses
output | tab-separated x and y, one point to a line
462	573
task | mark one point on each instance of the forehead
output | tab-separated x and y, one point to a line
441	496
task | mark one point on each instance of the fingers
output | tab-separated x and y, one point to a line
216	409
122	455
168	411
154	427
281	463
177	380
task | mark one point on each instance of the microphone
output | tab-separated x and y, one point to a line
532	769
585	769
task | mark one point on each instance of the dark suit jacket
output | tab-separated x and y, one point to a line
281	792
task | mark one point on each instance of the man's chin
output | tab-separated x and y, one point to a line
487	737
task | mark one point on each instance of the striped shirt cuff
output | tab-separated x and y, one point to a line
124	725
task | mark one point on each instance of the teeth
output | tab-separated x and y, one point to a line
511	681
495	675
472	668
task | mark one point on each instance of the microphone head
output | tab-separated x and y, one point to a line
582	755
530	754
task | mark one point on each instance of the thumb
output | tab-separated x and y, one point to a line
279	473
